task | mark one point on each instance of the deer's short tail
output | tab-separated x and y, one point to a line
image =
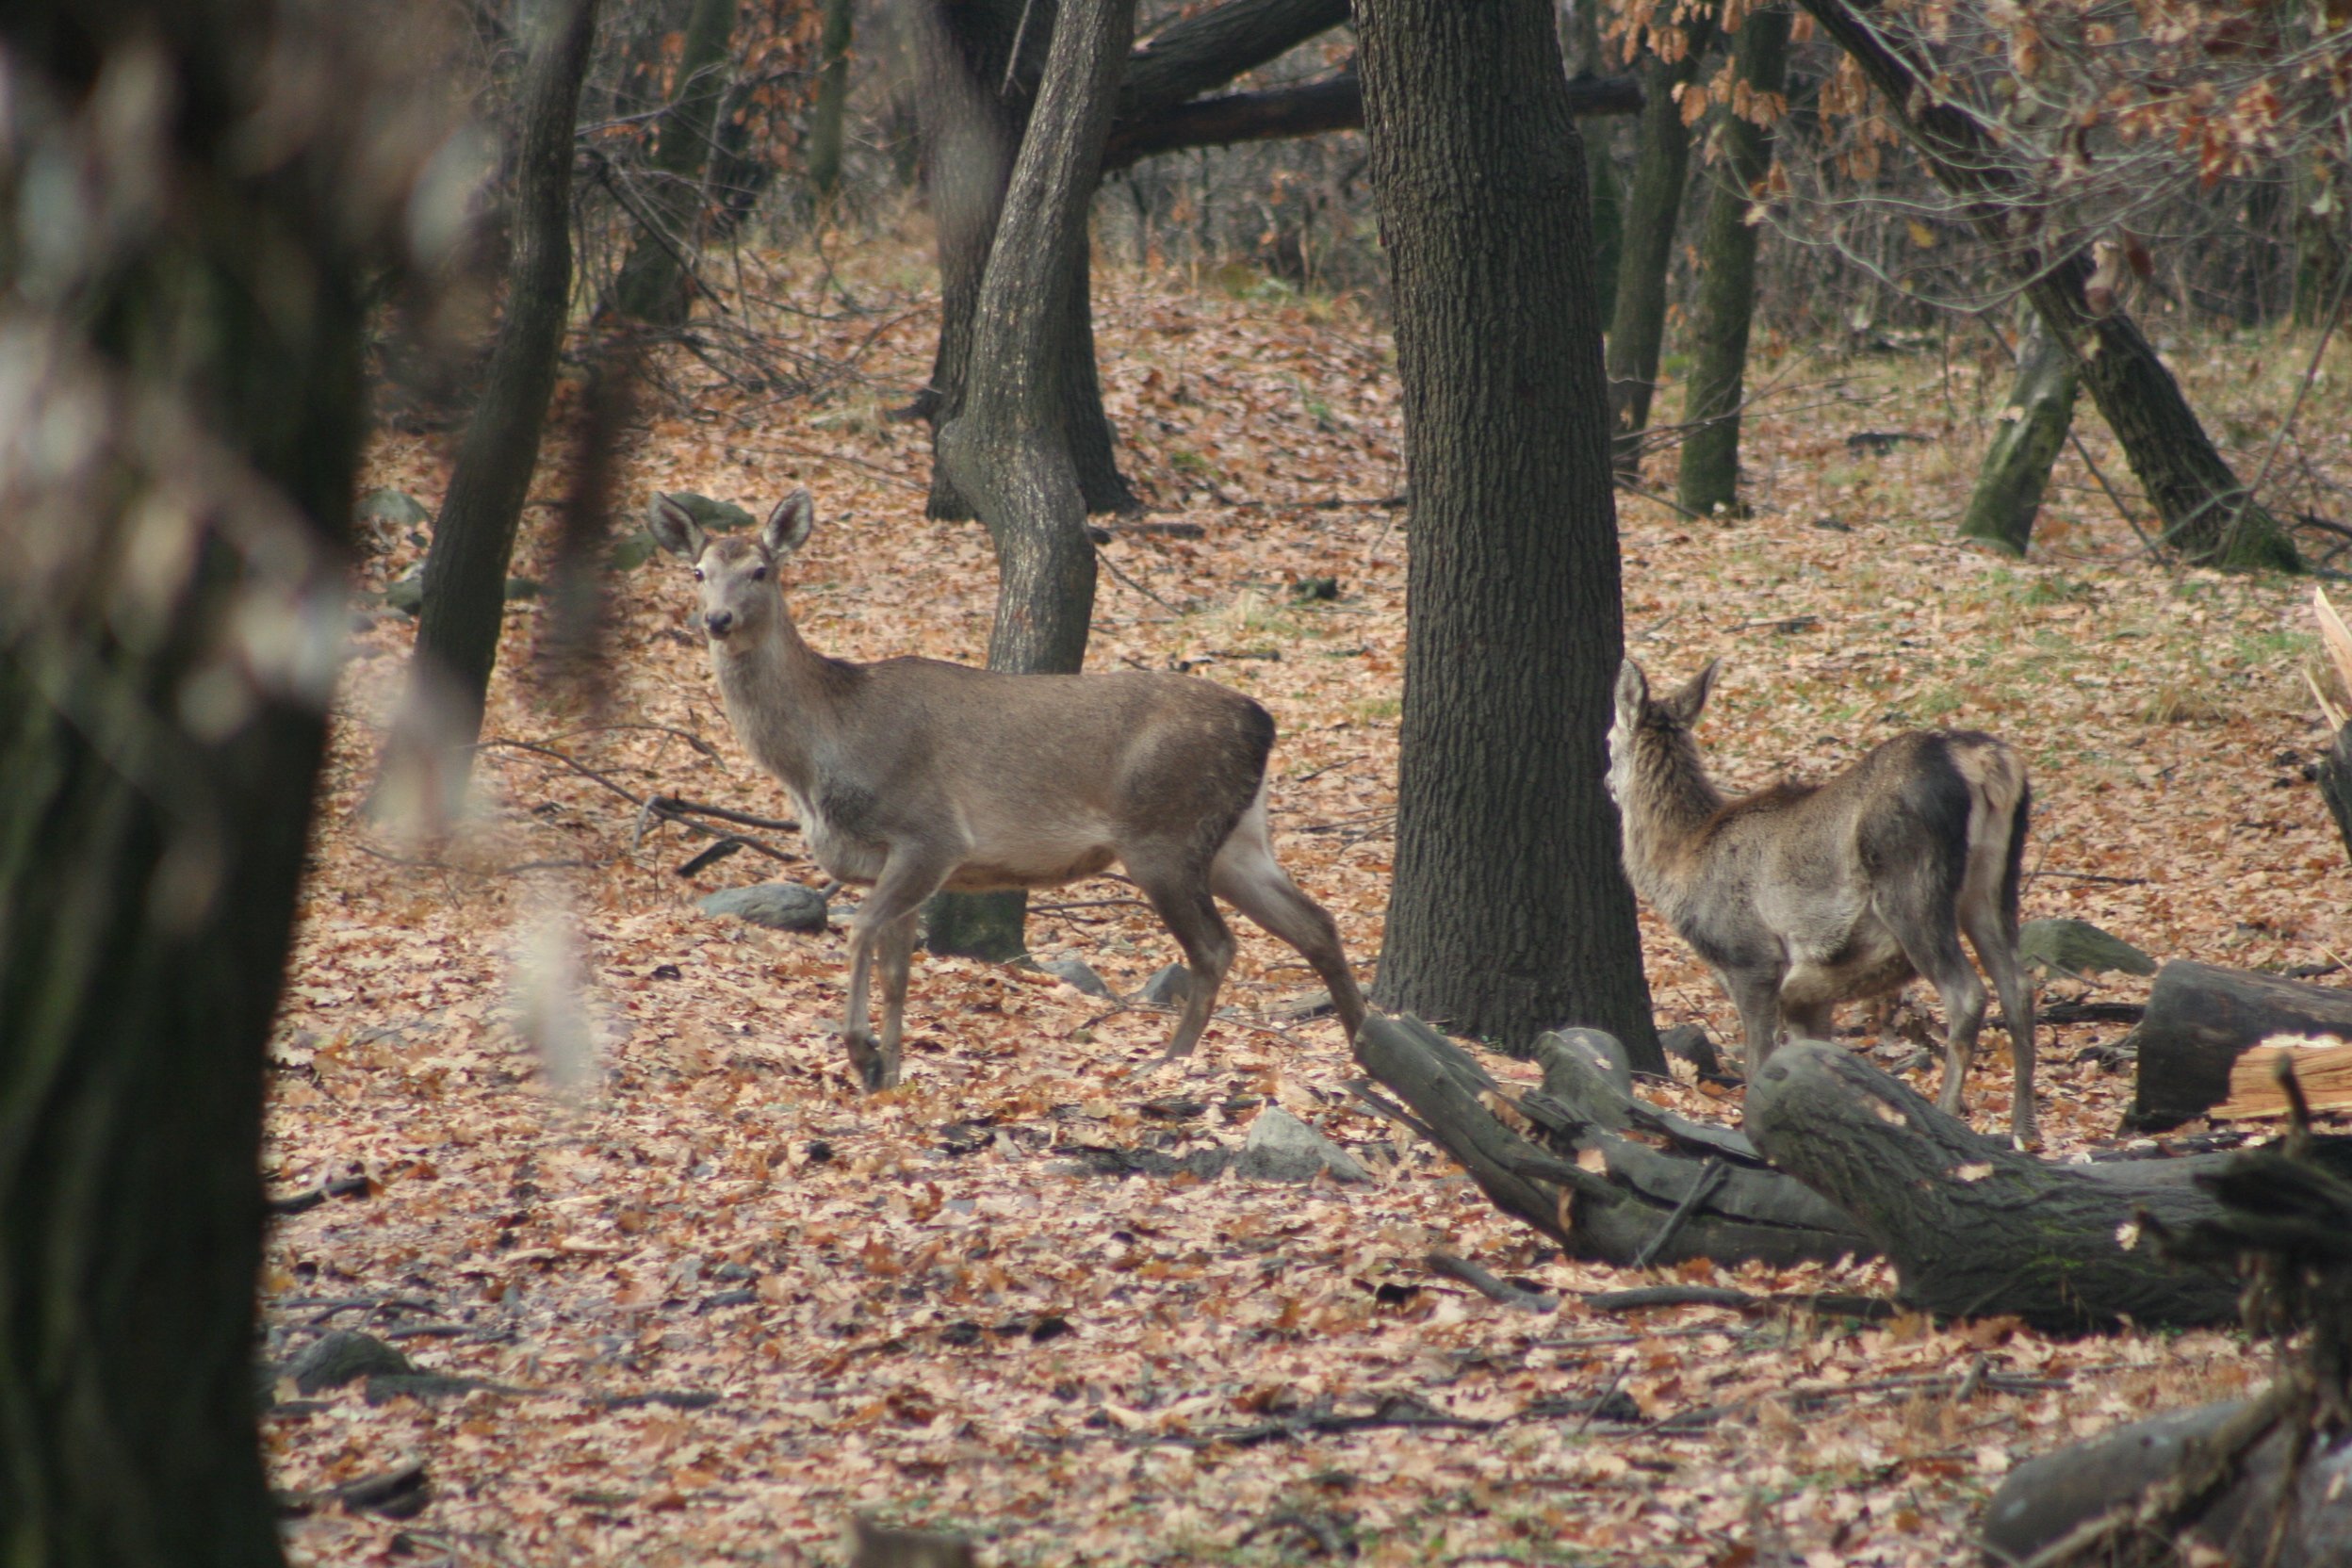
2001	804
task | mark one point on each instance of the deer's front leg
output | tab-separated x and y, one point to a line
1758	997
886	921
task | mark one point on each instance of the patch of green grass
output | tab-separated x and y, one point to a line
1376	709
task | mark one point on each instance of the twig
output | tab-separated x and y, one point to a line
2092	876
1112	567
2121	510
1486	1284
2294	409
1711	1171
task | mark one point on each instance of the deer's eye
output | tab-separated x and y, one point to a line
758	574
698	574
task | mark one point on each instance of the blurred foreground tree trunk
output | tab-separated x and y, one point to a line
1509	914
172	602
1725	284
655	285
2208	515
464	575
1007	450
1653	210
2032	428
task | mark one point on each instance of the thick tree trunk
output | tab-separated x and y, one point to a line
464	575
1974	1228
1708	1195
656	284
2208	515
2032	428
1653	209
1726	302
1510	913
826	117
2201	1019
1008	450
156	763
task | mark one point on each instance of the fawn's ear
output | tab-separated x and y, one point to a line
673	528
1687	704
1633	689
788	524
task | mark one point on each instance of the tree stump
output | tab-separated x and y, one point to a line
1974	1227
1706	1194
2202	1018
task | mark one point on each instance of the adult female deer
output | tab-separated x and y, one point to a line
911	775
1802	896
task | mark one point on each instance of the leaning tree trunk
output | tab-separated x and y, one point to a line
158	757
1974	1227
464	575
1653	209
1509	914
826	117
2032	427
2335	783
1725	303
1007	448
657	284
2206	515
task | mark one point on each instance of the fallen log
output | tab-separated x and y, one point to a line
1972	1226
1568	1159
2202	1018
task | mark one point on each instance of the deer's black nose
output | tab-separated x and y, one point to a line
719	622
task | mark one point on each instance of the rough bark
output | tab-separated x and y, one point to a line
1726	292
826	116
2206	515
1974	1227
656	284
1510	913
1334	104
1008	450
2032	428
464	573
1652	209
1204	52
156	768
2047	1499
2201	1019
1628	1210
2335	784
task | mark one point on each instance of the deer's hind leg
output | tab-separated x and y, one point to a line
1995	939
1247	875
1924	921
1175	877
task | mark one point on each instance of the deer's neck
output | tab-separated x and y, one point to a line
780	700
1672	799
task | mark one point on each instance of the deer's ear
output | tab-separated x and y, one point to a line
1687	704
788	524
1633	689
674	528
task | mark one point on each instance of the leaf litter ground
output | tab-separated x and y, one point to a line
721	1301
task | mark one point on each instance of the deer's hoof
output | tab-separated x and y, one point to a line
876	1071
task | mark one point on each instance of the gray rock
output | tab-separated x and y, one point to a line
1079	973
1167	987
334	1359
1306	1005
2078	947
785	905
407	594
633	551
1689	1042
1599	1050
395	509
714	516
1282	1148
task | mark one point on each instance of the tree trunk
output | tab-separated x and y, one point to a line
656	284
1974	1228
1653	209
2319	246
978	107
2032	428
1008	450
464	575
826	117
156	763
2208	515
2201	1019
1709	1195
1509	914
1587	57
1709	476
2335	784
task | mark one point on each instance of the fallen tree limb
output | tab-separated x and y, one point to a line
2201	1017
1529	1153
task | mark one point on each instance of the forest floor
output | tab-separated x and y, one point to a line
725	1302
